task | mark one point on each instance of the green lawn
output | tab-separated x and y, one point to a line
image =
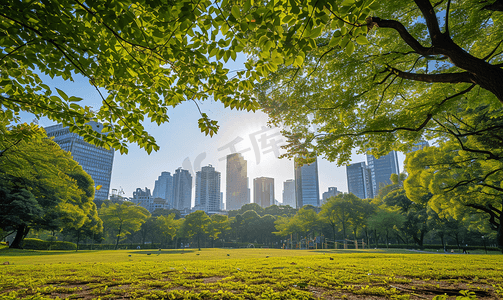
247	274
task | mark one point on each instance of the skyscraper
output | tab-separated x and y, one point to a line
208	189
307	189
332	192
381	170
236	182
419	146
289	193
182	189
359	180
96	161
163	187
263	191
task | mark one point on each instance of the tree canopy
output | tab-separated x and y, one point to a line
145	57
463	174
419	61
41	186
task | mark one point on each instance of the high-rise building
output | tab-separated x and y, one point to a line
381	170
289	193
182	189
359	180
96	161
236	182
419	146
307	189
332	192
163	187
208	189
263	191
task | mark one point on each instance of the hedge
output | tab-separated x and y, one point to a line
37	244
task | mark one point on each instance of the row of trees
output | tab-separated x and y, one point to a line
389	218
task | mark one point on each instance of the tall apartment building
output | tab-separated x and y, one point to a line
96	161
289	193
263	191
237	192
307	189
332	192
381	170
208	189
182	189
163	187
359	180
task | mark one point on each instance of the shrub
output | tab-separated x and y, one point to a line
37	244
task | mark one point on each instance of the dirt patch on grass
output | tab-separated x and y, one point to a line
212	279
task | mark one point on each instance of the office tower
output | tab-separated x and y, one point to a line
289	193
381	170
163	187
263	191
359	180
96	161
236	182
182	189
208	189
143	198
419	146
307	189
222	203
332	192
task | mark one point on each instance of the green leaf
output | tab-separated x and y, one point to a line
347	2
316	32
350	48
299	60
62	94
236	12
362	40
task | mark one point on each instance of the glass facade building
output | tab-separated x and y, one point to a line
163	187
381	170
96	161
289	193
263	191
307	189
359	180
208	189
182	189
237	191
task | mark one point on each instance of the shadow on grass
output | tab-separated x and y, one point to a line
346	251
29	252
151	252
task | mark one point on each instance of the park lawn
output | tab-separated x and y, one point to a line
247	274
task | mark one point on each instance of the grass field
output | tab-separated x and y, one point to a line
247	274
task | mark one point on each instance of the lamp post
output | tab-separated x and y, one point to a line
484	241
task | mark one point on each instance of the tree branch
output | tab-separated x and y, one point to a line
404	34
430	17
446	78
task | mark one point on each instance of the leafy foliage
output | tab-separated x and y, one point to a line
463	174
124	218
41	186
419	61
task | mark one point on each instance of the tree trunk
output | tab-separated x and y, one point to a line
118	236
333	230
499	234
21	233
78	240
